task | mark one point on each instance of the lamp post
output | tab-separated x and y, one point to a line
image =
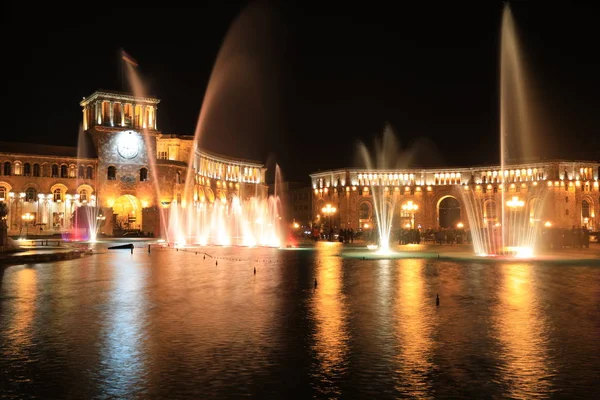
329	210
27	218
411	208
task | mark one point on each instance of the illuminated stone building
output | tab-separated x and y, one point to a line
438	198
123	165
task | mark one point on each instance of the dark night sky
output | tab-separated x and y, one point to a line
303	82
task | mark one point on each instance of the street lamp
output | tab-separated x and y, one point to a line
27	218
515	202
329	210
411	208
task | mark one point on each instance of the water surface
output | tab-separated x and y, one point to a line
174	324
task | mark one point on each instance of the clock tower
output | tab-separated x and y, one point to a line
124	132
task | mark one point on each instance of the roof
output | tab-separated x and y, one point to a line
120	96
87	149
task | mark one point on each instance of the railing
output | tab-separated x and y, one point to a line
41	242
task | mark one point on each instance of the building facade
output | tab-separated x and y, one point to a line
296	198
562	194
123	166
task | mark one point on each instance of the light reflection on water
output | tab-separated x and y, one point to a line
330	315
416	322
522	329
176	325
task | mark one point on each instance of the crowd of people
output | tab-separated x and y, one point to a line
549	238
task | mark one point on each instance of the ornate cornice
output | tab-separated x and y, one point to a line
115	96
228	160
114	129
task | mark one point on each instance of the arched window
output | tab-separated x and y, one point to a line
64	171
81	171
30	194
490	211
111	174
27	169
36	169
83	196
449	212
54	171
18	168
7	168
364	211
143	174
3	193
178	178
89	173
57	195
585	209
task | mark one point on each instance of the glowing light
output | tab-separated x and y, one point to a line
515	202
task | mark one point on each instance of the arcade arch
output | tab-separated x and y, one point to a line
127	213
448	212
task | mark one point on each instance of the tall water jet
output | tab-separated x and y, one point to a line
240	86
242	83
139	90
385	159
516	231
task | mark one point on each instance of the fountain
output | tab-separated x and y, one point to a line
386	157
515	233
241	218
85	217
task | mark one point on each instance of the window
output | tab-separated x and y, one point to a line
178	177
364	211
83	196
27	169
30	194
18	168
162	155
36	169
57	195
490	211
89	173
585	209
3	193
81	171
143	174
566	199
54	171
64	173
7	168
111	173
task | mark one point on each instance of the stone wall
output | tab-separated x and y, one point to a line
555	208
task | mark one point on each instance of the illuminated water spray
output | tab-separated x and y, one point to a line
512	226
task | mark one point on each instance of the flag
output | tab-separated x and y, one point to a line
127	58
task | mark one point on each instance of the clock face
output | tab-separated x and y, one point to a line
128	146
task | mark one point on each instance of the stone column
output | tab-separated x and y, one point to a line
112	113
155	117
